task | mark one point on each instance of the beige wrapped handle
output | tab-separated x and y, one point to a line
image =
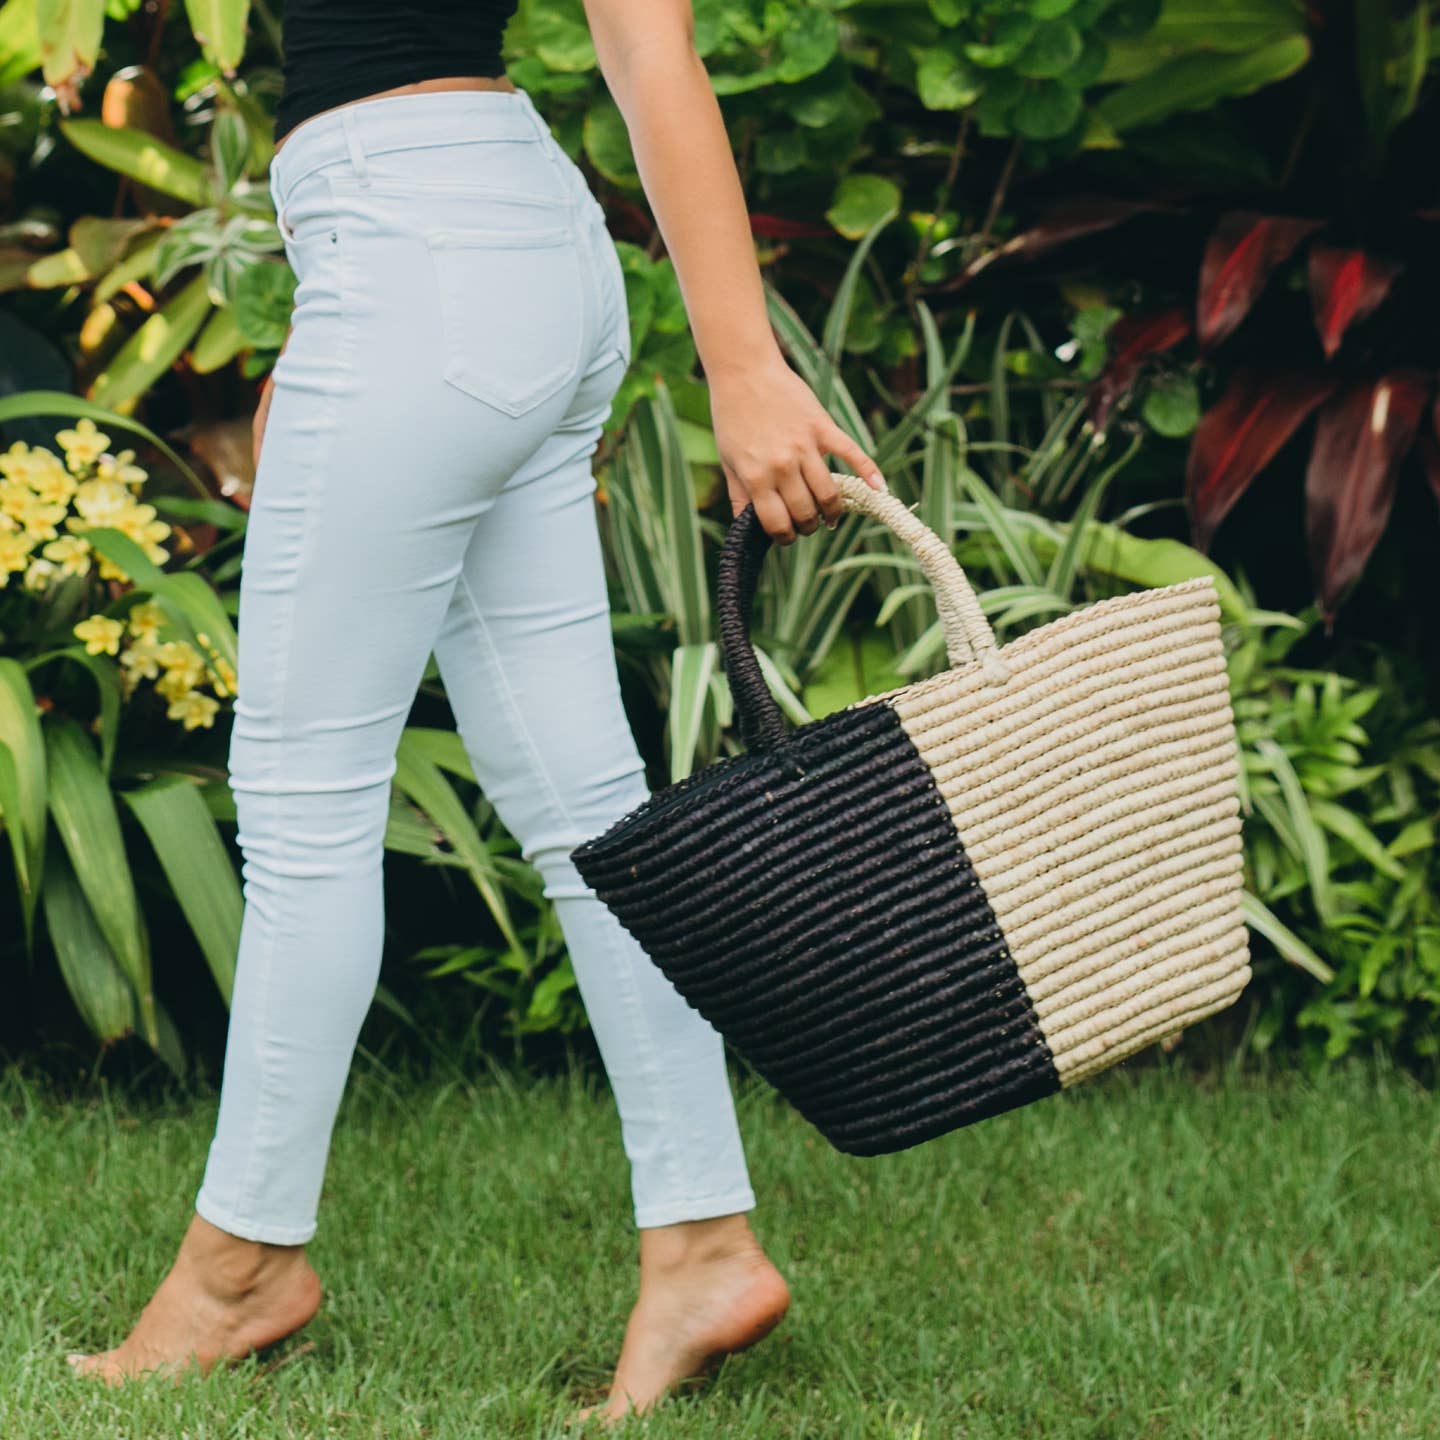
968	636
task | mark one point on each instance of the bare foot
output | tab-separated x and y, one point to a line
706	1290
222	1298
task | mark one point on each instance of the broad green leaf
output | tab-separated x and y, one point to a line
70	32
1195	82
142	157
861	203
97	985
103	671
1355	833
219	26
1291	947
690	670
220	341
422	781
63	267
89	825
23	785
19	40
154	347
179	825
444	748
1108	550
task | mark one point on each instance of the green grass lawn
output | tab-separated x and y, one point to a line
1152	1255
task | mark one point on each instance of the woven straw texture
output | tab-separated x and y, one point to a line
959	895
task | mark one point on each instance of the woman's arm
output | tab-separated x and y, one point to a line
772	433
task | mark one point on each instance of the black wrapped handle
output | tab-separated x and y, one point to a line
968	637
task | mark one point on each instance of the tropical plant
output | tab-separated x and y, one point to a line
1307	290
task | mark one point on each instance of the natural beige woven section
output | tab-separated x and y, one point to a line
1095	793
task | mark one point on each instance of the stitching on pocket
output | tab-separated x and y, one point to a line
512	311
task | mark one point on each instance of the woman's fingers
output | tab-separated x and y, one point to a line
773	514
795	492
850	454
826	492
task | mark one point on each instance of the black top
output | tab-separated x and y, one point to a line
335	52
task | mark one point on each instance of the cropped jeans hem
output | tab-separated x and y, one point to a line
678	1211
266	1234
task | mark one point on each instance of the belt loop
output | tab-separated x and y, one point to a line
353	145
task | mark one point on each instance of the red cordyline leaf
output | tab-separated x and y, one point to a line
1240	255
1345	287
1071	221
1132	339
781	227
1239	436
1361	437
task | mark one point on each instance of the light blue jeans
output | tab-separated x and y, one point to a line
458	335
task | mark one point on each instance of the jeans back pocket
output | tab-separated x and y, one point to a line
512	311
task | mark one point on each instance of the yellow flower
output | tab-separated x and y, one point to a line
103	502
15	498
118	467
184	667
41	519
193	708
39	573
227	684
15	548
13	462
83	445
146	619
101	633
141	658
139	523
70	553
49	479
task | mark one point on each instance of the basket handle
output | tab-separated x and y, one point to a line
968	636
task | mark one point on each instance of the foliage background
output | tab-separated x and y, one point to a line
1094	280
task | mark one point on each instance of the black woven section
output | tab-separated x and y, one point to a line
815	904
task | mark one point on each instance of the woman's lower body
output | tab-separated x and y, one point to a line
459	332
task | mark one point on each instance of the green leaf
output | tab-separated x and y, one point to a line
154	347
220	340
1289	944
263	303
141	156
89	826
179	825
945	81
1196	82
1172	405
422	781
1054	48
691	669
1108	550
97	985
106	676
23	786
1046	111
861	203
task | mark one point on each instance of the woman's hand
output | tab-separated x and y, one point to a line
773	436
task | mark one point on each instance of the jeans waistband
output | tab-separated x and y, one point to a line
403	122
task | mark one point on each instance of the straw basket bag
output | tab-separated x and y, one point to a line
958	896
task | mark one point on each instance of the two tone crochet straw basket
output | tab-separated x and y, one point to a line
955	897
